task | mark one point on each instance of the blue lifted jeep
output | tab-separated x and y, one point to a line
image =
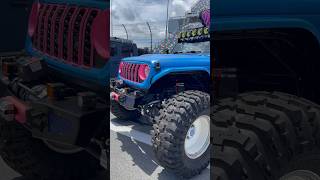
268	129
53	105
171	92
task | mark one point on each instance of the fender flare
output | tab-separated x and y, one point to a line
267	22
179	70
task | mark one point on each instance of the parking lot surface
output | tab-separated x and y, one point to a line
132	156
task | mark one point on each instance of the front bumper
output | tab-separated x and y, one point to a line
126	96
67	120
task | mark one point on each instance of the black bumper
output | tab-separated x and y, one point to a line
126	96
61	120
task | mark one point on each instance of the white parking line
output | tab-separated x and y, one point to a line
131	133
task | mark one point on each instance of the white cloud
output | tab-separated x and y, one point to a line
134	14
179	7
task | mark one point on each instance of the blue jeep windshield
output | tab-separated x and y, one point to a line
197	47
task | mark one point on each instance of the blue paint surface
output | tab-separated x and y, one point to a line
253	14
169	63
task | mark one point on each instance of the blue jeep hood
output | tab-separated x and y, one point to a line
169	63
101	4
173	60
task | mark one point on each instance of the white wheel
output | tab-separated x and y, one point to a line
301	175
198	137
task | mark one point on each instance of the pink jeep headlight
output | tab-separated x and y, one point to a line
100	34
144	71
33	18
120	67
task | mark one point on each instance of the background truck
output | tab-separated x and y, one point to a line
53	107
120	48
266	66
171	92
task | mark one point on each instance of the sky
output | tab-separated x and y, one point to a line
135	13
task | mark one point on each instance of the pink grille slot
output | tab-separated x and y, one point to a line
130	72
82	34
64	32
45	40
60	36
41	27
70	33
53	29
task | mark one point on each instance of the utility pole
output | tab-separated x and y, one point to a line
150	35
167	21
125	30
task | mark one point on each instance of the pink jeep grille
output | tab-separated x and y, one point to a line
130	72
64	32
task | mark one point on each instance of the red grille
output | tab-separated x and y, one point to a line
64	32
130	72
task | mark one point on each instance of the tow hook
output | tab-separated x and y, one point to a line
114	96
12	109
7	110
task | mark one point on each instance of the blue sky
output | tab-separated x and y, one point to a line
134	13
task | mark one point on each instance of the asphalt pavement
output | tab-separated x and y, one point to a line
6	173
131	155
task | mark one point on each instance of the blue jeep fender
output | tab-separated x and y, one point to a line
249	14
225	24
168	71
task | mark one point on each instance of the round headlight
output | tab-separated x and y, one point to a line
33	18
120	67
183	34
188	34
144	71
206	30
194	32
200	30
100	34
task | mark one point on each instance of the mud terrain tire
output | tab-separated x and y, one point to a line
34	160
122	113
171	128
264	135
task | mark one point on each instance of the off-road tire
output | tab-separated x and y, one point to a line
32	159
122	113
264	135
170	130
